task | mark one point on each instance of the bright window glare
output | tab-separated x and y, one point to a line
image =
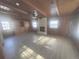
53	24
34	24
5	25
27	53
39	57
42	40
47	42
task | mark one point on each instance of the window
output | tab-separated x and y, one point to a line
76	31
53	24
34	24
5	25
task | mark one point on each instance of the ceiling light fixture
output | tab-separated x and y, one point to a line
17	4
4	7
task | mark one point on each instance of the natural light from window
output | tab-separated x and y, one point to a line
53	24
47	42
34	24
27	53
5	25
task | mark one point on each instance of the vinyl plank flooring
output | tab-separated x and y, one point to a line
33	46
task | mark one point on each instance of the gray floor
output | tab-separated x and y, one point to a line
33	46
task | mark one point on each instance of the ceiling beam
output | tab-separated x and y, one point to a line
14	8
67	6
42	6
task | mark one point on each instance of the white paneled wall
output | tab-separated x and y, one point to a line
42	23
